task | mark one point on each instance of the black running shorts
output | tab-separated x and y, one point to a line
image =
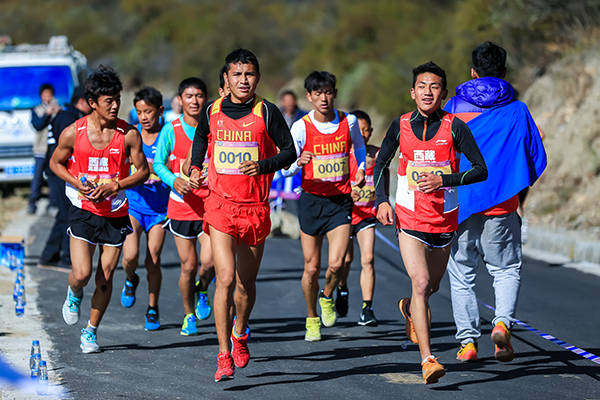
432	240
184	229
362	225
94	229
320	214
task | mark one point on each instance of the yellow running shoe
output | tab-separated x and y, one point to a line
313	329
467	352
328	314
503	350
432	370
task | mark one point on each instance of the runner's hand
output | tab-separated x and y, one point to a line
196	179
84	189
181	186
103	192
305	158
429	183
355	194
359	179
249	168
385	214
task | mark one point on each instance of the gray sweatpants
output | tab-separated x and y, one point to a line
496	242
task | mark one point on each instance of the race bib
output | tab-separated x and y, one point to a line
332	167
116	201
152	178
229	155
414	169
367	193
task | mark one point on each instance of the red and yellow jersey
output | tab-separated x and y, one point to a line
328	172
435	212
364	207
99	167
233	141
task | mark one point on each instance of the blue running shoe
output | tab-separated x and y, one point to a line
203	307
128	292
152	321
189	325
89	342
70	308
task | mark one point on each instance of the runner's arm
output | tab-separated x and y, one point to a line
200	144
161	158
386	154
465	144
63	151
358	143
278	130
133	145
298	132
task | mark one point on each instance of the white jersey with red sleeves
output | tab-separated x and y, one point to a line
435	212
99	167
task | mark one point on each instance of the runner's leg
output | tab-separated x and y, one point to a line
338	244
207	266
156	239
186	249
345	270
249	258
311	248
366	242
107	263
131	249
81	261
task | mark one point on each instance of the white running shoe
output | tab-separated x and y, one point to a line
70	308
89	342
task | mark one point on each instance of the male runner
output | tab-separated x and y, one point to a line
490	228
186	207
147	212
430	141
364	220
241	131
323	140
97	150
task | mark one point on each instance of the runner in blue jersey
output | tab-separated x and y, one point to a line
147	211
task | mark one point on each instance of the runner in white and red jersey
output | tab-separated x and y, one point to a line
242	133
430	142
93	157
364	219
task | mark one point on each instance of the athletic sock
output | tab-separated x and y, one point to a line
91	328
343	288
325	297
368	303
235	334
78	294
152	308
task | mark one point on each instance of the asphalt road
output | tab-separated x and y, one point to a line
351	362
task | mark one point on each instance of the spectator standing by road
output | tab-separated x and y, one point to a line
289	107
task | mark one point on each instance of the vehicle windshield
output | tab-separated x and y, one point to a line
20	86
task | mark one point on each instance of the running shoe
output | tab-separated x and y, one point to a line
247	327
203	307
367	317
341	301
152	320
70	309
224	367
409	328
239	349
313	329
467	352
89	342
189	325
128	292
432	370
503	350
328	314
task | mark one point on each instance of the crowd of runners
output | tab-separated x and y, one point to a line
205	178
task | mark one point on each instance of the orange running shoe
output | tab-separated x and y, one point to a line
432	370
409	328
224	367
467	352
240	352
503	350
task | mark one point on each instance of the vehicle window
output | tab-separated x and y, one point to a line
20	85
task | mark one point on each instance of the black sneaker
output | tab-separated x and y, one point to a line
367	317
341	301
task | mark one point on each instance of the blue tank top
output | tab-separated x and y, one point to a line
151	197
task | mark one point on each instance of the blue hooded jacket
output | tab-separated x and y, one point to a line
507	137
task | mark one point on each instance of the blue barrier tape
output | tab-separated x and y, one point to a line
574	349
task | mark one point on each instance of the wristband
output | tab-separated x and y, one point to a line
118	185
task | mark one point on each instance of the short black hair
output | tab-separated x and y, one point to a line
150	96
222	71
78	93
46	86
243	56
104	81
317	80
489	59
288	93
192	82
360	114
430	67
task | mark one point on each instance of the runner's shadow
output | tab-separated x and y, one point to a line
318	376
134	346
338	353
